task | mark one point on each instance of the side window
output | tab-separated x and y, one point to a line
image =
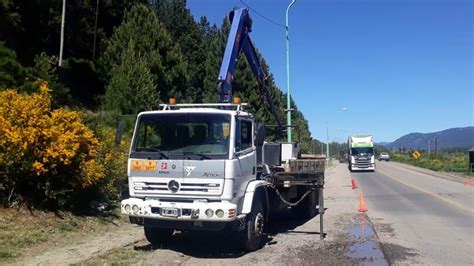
246	134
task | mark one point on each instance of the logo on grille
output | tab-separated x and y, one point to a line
173	186
189	169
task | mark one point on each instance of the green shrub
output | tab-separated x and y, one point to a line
457	162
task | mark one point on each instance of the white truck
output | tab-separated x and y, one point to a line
361	153
207	166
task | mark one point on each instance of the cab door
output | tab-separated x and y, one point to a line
245	151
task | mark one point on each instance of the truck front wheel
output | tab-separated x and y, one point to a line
158	236
252	236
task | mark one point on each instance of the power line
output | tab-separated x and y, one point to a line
262	15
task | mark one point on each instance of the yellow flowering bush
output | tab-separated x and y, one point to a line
113	157
43	152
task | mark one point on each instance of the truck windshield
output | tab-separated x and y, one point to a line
360	150
171	135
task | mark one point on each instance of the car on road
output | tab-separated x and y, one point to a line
383	156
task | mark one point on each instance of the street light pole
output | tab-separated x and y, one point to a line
288	95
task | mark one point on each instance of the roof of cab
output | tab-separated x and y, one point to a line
196	110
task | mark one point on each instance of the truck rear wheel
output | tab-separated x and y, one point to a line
157	236
251	237
306	209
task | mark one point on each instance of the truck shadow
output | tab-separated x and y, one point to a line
285	223
200	245
224	244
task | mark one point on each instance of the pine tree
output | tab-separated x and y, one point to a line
45	68
179	22
12	73
214	42
152	43
131	88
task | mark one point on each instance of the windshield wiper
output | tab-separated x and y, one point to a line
202	155
162	153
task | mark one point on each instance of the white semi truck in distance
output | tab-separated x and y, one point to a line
361	153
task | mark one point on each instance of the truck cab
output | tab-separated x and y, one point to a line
204	155
191	165
361	153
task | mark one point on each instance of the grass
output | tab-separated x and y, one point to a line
119	256
31	232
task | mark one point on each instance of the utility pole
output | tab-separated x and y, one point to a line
62	34
327	141
288	95
436	145
95	29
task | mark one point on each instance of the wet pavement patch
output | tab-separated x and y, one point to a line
365	247
398	254
361	228
368	252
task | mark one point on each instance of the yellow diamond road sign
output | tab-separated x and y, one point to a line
416	154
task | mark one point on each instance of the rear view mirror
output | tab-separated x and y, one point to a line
260	135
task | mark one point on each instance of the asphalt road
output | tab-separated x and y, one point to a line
419	218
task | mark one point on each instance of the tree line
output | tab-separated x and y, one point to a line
124	57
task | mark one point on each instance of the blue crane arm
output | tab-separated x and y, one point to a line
237	42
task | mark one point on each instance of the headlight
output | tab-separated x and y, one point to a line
220	213
135	208
209	213
128	208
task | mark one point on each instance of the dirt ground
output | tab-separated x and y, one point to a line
288	241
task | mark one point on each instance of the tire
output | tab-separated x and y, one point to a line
251	237
158	236
307	208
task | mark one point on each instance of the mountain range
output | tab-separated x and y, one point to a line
461	137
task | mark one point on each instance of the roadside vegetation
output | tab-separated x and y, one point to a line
66	129
454	162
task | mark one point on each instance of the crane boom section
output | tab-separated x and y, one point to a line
237	42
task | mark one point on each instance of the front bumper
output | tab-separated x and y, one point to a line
179	211
362	167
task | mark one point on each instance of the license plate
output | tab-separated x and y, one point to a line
170	212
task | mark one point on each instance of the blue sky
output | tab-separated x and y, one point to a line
399	66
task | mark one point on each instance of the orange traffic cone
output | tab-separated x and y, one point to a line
354	184
362	207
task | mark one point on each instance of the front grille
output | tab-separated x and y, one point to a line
185	188
362	163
